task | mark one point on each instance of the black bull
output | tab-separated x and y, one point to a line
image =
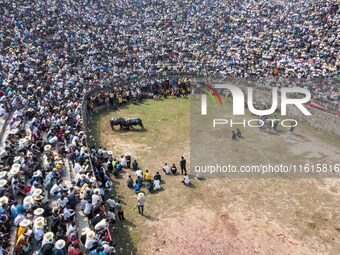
126	124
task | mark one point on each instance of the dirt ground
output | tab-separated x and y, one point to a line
223	215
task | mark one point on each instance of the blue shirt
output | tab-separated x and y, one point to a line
14	211
3	210
136	187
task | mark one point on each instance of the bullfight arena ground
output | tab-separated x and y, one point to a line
222	215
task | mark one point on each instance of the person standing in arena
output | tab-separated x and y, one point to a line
183	164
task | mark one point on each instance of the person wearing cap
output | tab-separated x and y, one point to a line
140	203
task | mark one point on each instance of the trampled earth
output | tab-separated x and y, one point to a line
223	215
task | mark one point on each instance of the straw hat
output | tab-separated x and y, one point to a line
36	174
140	194
37	192
93	179
49	237
3	174
25	223
27	138
84	231
60	244
13	132
40	218
90	235
39	224
17	158
4	200
15	168
96	190
28	200
38	198
3	183
38	211
47	147
14	171
16	165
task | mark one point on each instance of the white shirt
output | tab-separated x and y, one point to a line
18	219
67	213
111	202
88	208
123	161
186	179
157	184
3	153
62	202
166	169
77	167
100	225
108	185
95	198
89	243
55	188
111	215
53	139
139	173
38	233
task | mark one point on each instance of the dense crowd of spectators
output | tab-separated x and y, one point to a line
53	51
